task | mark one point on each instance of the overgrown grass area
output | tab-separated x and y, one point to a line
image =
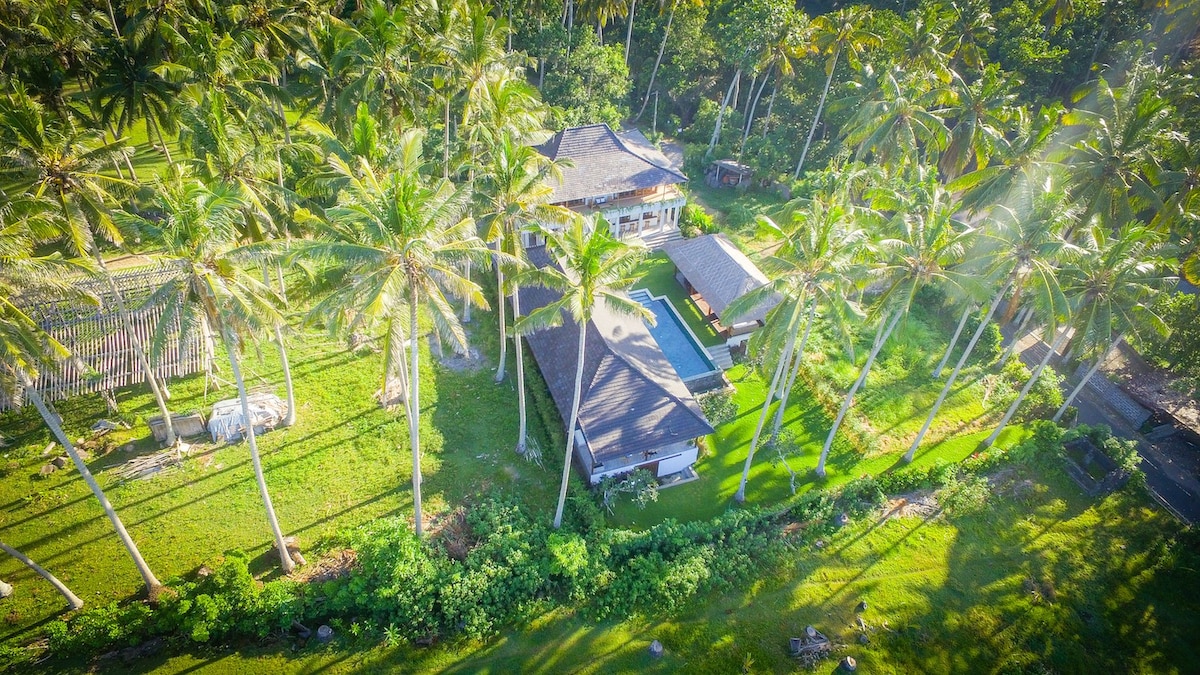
735	210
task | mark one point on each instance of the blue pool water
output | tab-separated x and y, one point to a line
672	337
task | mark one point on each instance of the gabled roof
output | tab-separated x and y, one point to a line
604	163
631	399
719	272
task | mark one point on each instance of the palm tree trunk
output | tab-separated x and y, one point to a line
501	315
290	418
414	412
770	109
817	118
73	601
962	360
152	583
1037	372
629	30
446	139
658	61
522	426
716	134
937	372
285	557
1103	358
162	141
139	354
750	113
784	358
797	362
1017	335
566	474
880	338
466	317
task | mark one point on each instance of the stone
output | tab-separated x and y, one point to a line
5	589
848	664
302	631
59	461
810	631
843	519
49	449
47	469
862	638
862	606
656	649
324	633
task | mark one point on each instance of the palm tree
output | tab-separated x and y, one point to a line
73	601
399	240
199	233
982	113
1113	287
897	125
67	165
1023	165
815	265
925	250
669	7
591	267
843	31
970	30
1109	166
517	192
25	348
1022	249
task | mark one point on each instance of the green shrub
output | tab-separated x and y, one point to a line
694	218
718	406
965	495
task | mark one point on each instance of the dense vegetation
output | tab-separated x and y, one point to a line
1017	164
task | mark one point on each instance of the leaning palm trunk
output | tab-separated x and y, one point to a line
139	354
657	62
962	360
937	372
285	557
1037	373
566	474
716	134
73	601
880	338
817	118
522	425
1100	361
1018	334
784	359
466	317
750	113
629	30
797	362
152	584
414	410
290	418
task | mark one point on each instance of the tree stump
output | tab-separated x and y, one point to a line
5	589
324	633
656	649
848	664
59	461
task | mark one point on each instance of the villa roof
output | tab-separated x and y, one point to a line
605	163
631	399
719	272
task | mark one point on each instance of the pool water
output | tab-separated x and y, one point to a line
680	348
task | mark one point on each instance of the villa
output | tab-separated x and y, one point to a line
621	176
635	410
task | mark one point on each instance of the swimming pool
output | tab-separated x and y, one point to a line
674	338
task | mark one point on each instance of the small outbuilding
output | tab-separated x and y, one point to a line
715	273
727	173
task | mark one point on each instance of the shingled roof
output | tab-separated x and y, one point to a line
604	164
632	399
719	272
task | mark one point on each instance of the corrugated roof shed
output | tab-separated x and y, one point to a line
632	399
719	271
604	163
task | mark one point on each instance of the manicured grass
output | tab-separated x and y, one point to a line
658	276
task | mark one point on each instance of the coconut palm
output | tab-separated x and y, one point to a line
841	32
399	239
73	601
969	31
591	267
669	7
981	113
26	349
67	165
925	249
214	289
1021	164
896	125
517	194
815	265
1112	287
1021	249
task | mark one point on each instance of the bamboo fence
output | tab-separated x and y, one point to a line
102	355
